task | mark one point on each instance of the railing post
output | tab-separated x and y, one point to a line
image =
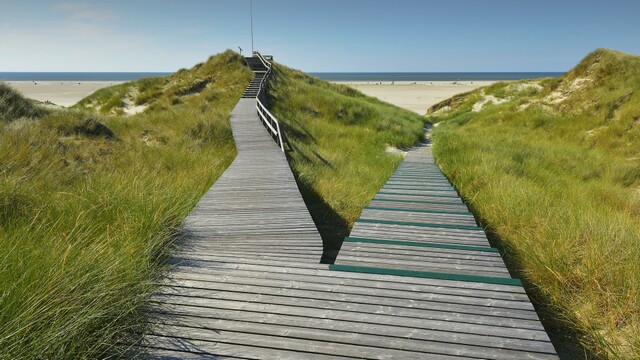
270	122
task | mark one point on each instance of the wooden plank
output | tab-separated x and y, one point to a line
311	287
439	308
346	322
335	332
275	347
159	346
427	274
320	273
421	244
419	210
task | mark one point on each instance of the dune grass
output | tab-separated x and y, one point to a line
338	138
554	173
206	80
13	106
89	205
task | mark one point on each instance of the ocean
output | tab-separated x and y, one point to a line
433	76
330	76
77	76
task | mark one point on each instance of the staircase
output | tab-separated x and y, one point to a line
259	71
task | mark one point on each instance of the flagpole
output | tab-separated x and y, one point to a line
251	16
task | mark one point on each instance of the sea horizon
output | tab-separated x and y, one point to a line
432	76
329	76
78	76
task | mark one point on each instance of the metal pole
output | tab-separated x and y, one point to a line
251	12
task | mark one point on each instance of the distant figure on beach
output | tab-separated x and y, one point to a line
393	82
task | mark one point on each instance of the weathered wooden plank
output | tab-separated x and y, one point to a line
275	347
320	273
321	291
331	331
444	247
160	346
433	309
349	287
494	337
434	198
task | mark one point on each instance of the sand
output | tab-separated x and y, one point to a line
415	96
63	93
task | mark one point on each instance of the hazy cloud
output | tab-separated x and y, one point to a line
85	11
83	35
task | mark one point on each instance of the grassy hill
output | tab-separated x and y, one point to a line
92	197
210	81
552	167
90	202
343	147
13	106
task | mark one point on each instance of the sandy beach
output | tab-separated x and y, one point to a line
63	93
415	96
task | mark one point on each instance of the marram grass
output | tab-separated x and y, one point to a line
555	173
86	216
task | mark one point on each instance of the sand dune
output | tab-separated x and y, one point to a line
415	96
63	93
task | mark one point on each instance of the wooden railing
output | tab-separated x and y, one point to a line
270	122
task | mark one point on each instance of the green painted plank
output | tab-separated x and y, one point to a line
409	183
420	202
426	274
419	172
420	182
441	179
418	178
419	175
445	226
421	211
428	195
388	187
422	244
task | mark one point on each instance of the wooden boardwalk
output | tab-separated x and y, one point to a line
417	222
248	284
255	207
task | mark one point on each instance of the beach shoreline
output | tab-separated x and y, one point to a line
61	93
416	96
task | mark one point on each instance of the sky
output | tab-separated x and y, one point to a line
315	35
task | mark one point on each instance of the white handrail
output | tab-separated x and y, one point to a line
264	61
265	115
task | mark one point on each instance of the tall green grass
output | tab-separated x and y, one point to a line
558	183
338	138
13	106
86	214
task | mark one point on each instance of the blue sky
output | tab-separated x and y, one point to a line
315	35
